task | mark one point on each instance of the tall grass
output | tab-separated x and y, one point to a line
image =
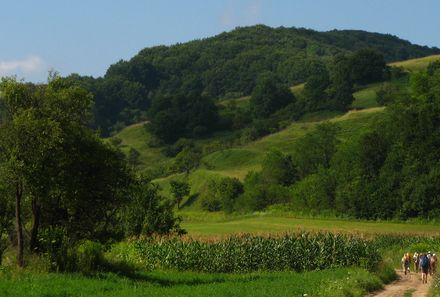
247	253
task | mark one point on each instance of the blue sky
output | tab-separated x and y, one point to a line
86	36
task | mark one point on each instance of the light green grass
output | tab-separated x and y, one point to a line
137	137
238	102
267	223
297	89
331	283
237	162
366	98
415	65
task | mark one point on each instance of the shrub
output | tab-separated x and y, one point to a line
3	246
89	256
54	244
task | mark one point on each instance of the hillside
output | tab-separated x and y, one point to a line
227	154
416	64
238	160
226	66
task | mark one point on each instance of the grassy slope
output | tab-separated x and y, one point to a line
136	136
415	65
354	282
239	160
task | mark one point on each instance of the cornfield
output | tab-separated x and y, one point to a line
298	252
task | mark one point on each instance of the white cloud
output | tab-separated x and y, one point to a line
238	15
29	65
253	12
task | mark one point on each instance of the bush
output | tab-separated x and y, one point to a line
54	244
3	246
89	256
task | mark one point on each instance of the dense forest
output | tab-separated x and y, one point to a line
226	66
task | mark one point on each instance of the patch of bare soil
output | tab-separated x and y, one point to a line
405	283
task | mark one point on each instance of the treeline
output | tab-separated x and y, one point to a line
225	66
392	170
61	184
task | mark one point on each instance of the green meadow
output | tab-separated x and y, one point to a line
354	281
273	223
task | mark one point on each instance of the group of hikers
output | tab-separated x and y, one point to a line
426	263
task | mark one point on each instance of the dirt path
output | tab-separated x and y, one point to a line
405	283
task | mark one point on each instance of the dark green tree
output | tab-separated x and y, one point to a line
316	149
179	191
279	169
133	157
147	212
268	96
341	90
367	66
187	160
315	90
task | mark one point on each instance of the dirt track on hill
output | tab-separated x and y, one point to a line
405	283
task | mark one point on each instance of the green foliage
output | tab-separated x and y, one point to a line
133	157
341	89
367	66
89	256
316	149
298	252
187	160
222	195
314	192
148	212
56	248
390	93
278	169
258	194
179	190
6	215
315	90
225	66
173	117
269	96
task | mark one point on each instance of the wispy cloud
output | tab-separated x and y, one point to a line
253	11
235	14
29	65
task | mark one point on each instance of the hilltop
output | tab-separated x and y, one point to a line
227	66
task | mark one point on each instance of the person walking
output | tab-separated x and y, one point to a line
424	267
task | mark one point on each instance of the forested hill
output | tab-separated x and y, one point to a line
227	65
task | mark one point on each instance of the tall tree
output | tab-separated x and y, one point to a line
269	95
179	190
25	145
341	90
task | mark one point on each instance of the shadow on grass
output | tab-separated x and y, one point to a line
125	270
191	199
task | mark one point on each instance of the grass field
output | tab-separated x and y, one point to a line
366	98
415	65
331	283
267	223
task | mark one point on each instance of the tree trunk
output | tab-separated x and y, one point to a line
36	213
18	196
